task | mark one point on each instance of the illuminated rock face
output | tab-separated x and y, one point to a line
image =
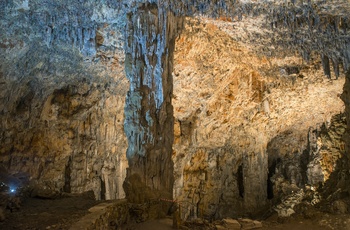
62	114
247	113
66	136
148	112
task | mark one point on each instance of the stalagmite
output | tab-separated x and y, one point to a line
326	66
335	64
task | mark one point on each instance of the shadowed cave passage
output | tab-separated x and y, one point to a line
240	181
272	171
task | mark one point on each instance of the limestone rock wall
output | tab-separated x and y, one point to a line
315	164
62	96
338	184
230	102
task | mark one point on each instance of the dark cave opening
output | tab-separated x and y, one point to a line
67	176
271	172
240	181
103	190
304	161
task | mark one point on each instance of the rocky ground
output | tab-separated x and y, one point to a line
36	213
61	212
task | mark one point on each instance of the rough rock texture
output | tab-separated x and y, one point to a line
337	187
313	164
104	216
61	118
148	125
232	224
225	129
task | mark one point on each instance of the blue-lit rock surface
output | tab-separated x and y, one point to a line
148	125
62	83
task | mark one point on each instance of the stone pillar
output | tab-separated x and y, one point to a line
151	33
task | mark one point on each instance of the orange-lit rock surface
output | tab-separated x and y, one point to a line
229	103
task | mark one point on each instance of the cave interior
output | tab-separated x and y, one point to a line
160	114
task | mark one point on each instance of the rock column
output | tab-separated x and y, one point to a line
151	33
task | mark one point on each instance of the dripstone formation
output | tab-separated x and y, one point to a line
151	33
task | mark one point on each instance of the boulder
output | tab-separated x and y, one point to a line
232	224
220	227
44	193
250	224
340	206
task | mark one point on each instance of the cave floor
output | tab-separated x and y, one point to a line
61	213
319	221
37	214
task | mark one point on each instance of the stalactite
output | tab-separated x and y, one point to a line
335	64
305	54
325	65
346	55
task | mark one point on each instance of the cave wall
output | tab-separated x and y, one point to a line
315	164
341	177
62	96
316	32
243	102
